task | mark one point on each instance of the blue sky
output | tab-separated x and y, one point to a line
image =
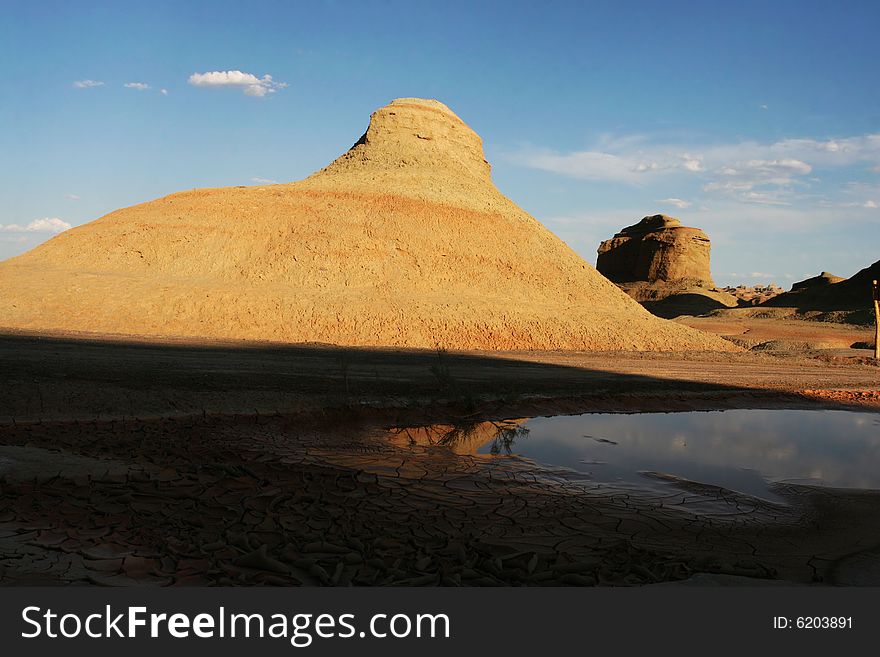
756	121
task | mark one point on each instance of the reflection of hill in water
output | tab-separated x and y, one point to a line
463	438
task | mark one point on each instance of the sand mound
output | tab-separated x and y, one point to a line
402	241
692	301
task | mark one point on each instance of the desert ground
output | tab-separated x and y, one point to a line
173	462
772	331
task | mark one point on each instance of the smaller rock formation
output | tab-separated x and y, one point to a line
822	280
829	293
664	266
753	295
660	251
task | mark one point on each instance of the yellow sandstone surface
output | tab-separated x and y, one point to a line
402	241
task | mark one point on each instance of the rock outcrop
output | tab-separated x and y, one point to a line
753	295
660	251
824	279
827	292
664	266
402	241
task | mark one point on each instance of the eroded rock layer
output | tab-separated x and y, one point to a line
658	250
664	266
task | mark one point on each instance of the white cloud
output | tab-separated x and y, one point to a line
164	92
691	163
140	86
869	204
764	106
624	158
87	84
857	195
72	197
830	152
585	164
784	166
770	173
745	176
764	198
264	181
594	165
677	202
46	225
249	83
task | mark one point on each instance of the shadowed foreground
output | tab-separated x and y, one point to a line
312	485
260	502
79	377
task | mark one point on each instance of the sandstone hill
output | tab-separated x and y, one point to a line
402	241
664	265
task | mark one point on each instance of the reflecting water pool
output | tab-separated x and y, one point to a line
741	450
